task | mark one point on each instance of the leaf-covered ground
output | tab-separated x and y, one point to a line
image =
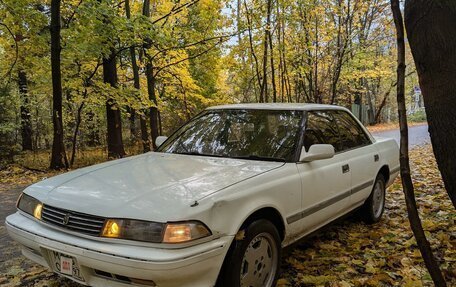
347	253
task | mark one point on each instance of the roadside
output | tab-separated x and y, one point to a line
347	253
418	135
392	126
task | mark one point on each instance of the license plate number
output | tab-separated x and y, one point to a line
66	265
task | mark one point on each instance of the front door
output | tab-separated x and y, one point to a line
325	183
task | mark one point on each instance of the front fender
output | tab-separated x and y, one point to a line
279	189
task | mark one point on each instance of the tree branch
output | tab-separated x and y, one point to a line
188	58
16	49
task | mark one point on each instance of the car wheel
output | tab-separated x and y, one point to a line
375	205
254	257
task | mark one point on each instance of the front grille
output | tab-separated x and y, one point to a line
71	220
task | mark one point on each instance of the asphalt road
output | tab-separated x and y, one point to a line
418	135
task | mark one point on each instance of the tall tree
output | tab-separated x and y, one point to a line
151	82
137	84
431	30
113	116
26	124
58	156
412	210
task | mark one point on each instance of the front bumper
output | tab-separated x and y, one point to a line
197	265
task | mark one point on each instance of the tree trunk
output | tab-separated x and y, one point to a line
252	49
413	215
273	80
58	156
380	108
26	123
115	142
93	131
153	111
75	133
151	81
264	85
132	122
431	30
134	65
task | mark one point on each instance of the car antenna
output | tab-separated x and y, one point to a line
194	204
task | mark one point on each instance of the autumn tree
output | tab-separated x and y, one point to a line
431	30
58	156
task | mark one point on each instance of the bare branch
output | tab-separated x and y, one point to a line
16	49
176	10
190	57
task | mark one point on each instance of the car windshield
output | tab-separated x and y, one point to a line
248	134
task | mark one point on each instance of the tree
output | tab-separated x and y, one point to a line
26	124
58	156
431	30
136	82
113	117
412	210
151	82
113	114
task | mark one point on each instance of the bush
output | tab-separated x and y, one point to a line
418	116
8	126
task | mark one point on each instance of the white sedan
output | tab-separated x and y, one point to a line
214	205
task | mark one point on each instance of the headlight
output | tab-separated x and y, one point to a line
185	231
30	205
139	230
133	230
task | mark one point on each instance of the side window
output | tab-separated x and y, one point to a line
351	133
321	129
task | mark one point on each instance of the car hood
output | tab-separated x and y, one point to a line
151	186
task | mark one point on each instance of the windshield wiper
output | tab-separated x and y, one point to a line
263	158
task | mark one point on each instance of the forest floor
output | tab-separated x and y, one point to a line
346	253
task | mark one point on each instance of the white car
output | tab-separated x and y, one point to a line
214	205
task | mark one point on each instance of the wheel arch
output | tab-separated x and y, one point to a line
385	171
269	213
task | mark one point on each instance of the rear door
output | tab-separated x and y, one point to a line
363	156
325	183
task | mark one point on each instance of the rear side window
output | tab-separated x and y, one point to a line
351	133
321	129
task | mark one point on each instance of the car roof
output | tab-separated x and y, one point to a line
277	106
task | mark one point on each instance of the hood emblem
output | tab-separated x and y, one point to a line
66	219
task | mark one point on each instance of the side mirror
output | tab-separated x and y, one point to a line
317	152
160	140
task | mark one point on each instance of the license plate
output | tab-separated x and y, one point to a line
66	265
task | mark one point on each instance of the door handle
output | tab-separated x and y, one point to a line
345	168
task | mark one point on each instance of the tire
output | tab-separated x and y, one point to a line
374	206
254	260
